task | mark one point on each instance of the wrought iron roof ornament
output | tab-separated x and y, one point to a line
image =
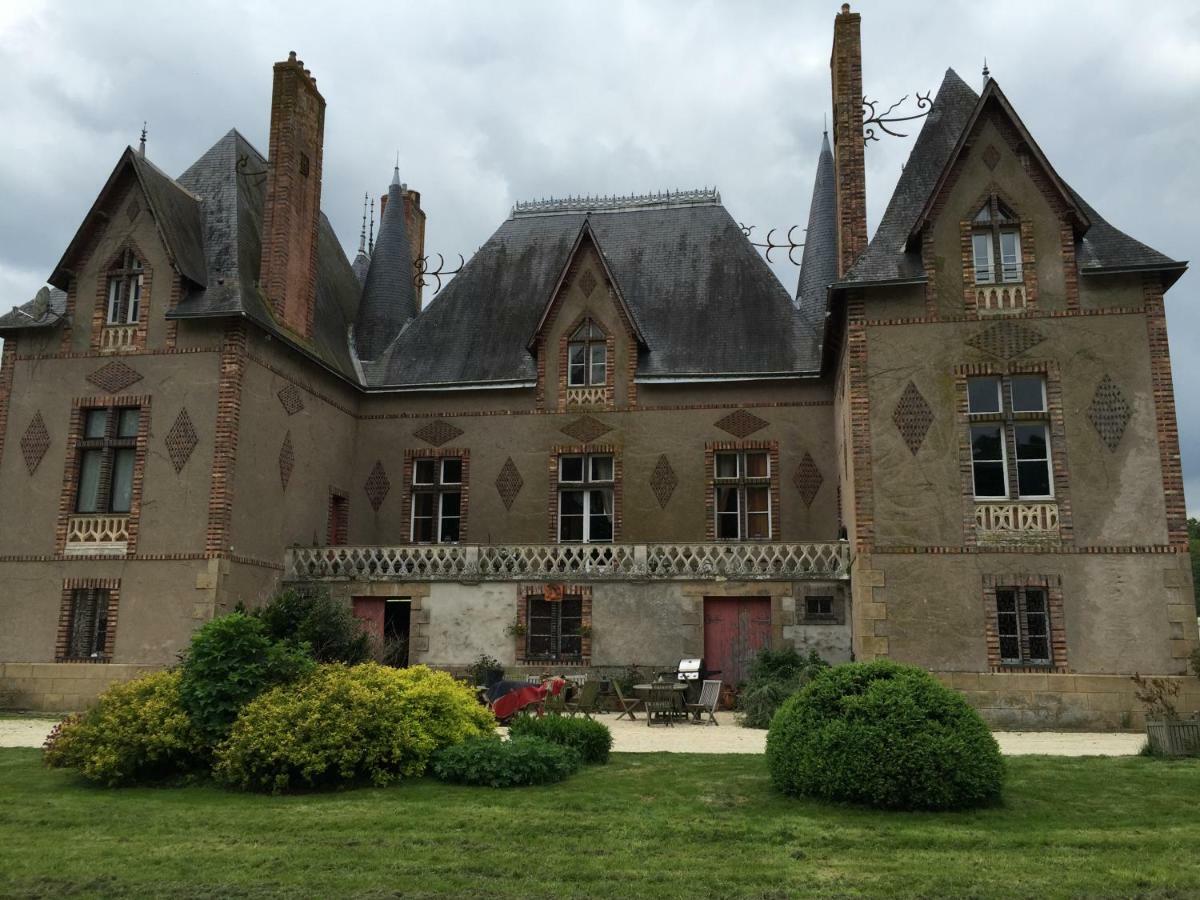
421	268
873	119
791	245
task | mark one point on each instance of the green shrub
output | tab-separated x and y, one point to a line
137	731
774	676
343	725
231	661
312	617
591	739
884	735
490	762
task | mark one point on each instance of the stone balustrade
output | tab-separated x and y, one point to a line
577	562
1016	520
97	536
1000	298
114	338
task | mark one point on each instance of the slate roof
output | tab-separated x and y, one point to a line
45	309
889	256
818	264
389	297
703	298
231	177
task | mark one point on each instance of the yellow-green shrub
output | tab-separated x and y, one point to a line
137	731
345	724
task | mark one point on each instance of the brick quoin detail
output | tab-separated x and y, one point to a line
860	424
465	489
584	592
618	484
225	439
1164	412
1054	603
711	449
7	364
63	638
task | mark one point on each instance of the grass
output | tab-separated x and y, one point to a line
646	825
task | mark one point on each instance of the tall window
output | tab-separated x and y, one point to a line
87	633
107	454
125	290
996	244
585	498
587	356
437	500
553	626
1023	625
742	495
1009	413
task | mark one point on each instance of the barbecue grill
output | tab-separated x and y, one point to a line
692	672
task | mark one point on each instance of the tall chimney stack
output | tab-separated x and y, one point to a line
293	208
849	157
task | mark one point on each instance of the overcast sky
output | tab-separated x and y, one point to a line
489	103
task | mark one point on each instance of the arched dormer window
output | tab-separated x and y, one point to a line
125	284
996	243
587	356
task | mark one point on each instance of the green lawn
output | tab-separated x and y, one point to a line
653	825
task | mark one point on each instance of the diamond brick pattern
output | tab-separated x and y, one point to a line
133	209
991	156
1006	339
377	486
808	479
181	440
509	483
437	432
1109	413
114	377
287	460
663	481
291	398
913	416
35	442
587	283
585	429
741	423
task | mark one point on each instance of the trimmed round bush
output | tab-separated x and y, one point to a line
884	735
138	731
348	724
591	739
490	762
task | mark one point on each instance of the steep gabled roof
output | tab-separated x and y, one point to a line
231	177
176	213
704	300
818	264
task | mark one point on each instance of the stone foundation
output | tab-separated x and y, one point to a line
1050	702
60	687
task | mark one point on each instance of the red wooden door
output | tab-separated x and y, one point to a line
735	629
370	611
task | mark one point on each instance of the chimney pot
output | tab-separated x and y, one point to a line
291	56
845	8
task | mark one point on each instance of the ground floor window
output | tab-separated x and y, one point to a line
87	621
1023	625
554	627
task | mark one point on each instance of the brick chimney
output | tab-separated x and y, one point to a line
849	157
414	223
293	208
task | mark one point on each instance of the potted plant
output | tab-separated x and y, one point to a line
516	629
1168	733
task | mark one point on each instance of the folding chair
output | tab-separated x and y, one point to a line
710	695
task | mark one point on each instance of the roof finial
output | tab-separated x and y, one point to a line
396	171
987	76
371	233
362	235
142	142
825	124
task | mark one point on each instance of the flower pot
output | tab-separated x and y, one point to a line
1174	737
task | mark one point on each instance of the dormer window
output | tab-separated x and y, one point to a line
996	244
125	290
587	356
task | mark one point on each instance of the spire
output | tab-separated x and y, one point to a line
362	235
389	298
142	142
818	264
362	262
987	76
371	233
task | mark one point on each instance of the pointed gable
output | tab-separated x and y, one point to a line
177	218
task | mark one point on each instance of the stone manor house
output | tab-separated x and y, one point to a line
614	437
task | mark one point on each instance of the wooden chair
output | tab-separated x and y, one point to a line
585	702
556	703
627	706
661	704
710	695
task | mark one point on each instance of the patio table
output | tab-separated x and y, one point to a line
679	688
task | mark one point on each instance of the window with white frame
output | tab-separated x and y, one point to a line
585	498
1023	626
996	244
107	459
1008	415
437	500
742	495
587	356
125	290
